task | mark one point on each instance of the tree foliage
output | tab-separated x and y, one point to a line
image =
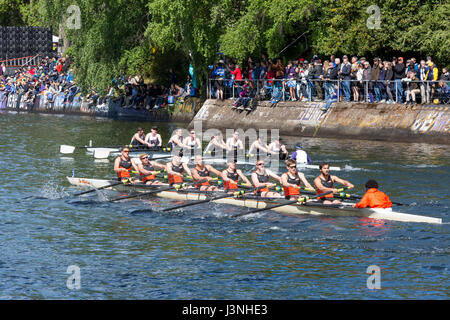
136	36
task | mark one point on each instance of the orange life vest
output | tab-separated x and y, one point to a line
234	177
262	178
328	184
148	167
291	191
124	164
204	173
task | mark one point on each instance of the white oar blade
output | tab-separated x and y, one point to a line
66	149
100	153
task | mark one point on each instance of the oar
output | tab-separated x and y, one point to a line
175	186
124	181
299	200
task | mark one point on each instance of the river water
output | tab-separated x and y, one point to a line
132	250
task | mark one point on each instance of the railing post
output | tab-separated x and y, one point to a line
338	90
284	91
427	94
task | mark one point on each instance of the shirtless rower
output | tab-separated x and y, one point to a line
147	170
325	182
201	172
300	155
123	165
138	139
192	143
215	143
292	179
175	170
260	178
175	141
277	147
231	176
154	139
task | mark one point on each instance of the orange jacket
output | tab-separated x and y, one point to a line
374	199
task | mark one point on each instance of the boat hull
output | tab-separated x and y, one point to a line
316	209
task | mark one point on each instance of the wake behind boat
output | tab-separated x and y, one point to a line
252	201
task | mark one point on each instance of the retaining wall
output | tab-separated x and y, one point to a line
371	121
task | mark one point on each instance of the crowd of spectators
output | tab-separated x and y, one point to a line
54	76
347	79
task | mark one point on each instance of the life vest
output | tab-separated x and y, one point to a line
292	191
262	178
124	164
202	173
148	167
173	178
327	184
234	177
374	199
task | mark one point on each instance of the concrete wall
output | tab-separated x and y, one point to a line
371	121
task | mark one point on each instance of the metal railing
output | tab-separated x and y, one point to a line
389	91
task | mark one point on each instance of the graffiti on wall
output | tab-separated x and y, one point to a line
436	121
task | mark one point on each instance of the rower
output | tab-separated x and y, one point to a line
175	170
260	178
175	141
216	142
192	142
373	198
325	182
123	165
277	147
231	176
258	146
201	172
138	139
300	155
147	170
154	139
292	179
233	144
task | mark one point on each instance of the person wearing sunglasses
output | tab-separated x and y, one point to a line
203	171
233	144
147	170
260	178
325	182
231	176
123	165
292	180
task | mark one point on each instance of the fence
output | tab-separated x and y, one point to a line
15	63
325	90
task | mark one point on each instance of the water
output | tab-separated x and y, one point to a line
131	250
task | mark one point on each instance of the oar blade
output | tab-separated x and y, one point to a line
65	149
101	153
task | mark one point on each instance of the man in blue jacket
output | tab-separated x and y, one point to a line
345	74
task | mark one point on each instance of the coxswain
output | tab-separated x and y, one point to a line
192	143
260	178
154	139
175	141
147	170
123	165
215	143
292	180
138	139
231	176
277	147
300	155
325	182
203	171
373	198
176	169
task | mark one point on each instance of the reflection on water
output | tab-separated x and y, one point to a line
133	249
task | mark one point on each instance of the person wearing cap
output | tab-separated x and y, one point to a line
153	139
147	170
399	71
300	155
373	198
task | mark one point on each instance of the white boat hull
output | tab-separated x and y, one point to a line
318	210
